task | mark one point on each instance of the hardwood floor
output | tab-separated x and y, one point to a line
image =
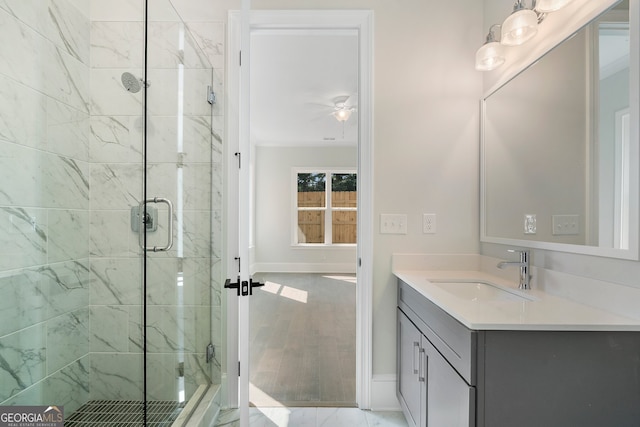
303	336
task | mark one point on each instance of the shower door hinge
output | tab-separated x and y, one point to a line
210	352
239	156
211	95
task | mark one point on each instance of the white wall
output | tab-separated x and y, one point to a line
273	195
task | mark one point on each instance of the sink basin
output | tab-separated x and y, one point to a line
479	291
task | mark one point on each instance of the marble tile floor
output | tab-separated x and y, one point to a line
313	417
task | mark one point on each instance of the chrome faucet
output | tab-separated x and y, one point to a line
524	267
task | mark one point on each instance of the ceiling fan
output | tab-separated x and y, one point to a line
342	111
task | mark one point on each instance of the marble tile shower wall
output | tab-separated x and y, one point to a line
44	202
184	153
70	144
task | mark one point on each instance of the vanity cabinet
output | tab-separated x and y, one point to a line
450	376
412	389
430	390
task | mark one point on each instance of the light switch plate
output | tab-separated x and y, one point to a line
393	223
565	225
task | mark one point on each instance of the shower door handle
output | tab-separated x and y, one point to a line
169	227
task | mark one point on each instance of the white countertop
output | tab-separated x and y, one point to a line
542	312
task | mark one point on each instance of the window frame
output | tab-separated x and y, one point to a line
328	208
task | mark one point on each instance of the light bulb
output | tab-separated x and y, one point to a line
342	115
519	27
489	56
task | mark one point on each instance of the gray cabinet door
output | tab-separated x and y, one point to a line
450	400
411	391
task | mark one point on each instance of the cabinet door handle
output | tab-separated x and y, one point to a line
416	349
422	375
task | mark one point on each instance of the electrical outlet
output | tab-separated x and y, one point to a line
530	224
429	223
393	224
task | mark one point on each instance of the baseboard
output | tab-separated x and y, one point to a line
266	267
383	393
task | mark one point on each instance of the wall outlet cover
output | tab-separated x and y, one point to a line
530	226
429	223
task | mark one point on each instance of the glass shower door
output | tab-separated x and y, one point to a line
101	109
182	167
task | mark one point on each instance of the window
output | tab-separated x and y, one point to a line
321	219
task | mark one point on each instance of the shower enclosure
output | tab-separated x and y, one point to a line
110	208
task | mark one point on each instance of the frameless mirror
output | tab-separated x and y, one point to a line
559	155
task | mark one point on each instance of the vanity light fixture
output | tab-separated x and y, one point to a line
491	53
520	26
545	6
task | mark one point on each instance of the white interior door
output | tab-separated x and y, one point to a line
239	189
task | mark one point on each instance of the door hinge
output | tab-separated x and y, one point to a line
210	352
238	368
240	58
239	156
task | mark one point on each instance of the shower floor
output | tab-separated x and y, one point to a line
124	413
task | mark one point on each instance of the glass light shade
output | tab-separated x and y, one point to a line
545	6
519	27
489	56
342	115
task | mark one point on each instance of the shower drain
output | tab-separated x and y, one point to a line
124	413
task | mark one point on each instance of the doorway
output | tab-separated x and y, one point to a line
287	20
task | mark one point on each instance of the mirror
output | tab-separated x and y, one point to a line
560	150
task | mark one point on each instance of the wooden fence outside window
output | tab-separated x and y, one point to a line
311	228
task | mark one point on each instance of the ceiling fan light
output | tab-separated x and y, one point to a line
519	27
343	114
545	6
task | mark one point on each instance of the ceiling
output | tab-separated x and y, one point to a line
296	78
